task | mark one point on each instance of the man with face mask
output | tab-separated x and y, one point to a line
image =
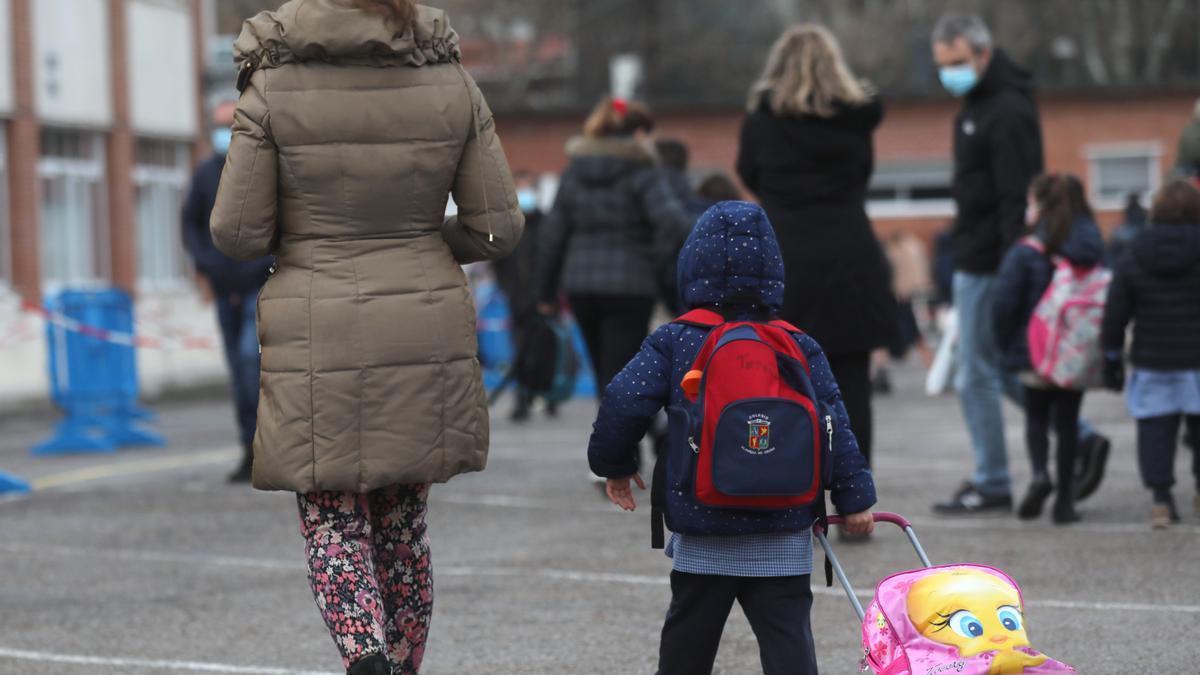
231	285
997	152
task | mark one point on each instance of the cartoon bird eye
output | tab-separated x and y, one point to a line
1010	617
966	624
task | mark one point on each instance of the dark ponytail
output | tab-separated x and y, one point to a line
1061	201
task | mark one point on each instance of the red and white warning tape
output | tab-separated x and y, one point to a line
118	337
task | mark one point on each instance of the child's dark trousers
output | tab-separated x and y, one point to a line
777	608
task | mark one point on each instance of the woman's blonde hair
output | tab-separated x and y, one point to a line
806	74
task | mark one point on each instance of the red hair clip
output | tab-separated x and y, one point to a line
620	105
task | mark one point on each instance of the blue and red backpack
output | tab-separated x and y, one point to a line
752	435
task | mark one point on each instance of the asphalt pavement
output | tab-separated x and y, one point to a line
147	561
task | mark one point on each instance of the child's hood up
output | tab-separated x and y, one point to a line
732	256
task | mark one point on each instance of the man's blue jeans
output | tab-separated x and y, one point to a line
981	381
239	331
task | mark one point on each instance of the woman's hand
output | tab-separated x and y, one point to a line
621	494
547	309
860	523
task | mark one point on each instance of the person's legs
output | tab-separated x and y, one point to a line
1157	438
624	326
1193	440
249	363
980	382
403	570
853	375
1037	429
778	610
691	634
341	571
1037	406
1067	404
588	313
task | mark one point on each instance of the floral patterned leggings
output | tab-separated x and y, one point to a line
368	565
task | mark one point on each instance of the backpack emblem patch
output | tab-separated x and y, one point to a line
760	435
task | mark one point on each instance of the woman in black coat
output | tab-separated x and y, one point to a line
806	153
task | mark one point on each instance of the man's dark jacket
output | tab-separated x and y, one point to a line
997	152
223	273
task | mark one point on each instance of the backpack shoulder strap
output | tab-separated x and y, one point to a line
1033	243
701	318
780	323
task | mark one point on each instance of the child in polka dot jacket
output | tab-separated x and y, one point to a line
731	264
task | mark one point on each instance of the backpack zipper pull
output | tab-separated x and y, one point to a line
692	442
829	430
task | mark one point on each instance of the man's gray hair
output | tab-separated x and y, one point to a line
970	27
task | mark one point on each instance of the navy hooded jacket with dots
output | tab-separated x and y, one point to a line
731	254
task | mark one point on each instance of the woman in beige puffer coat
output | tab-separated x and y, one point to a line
355	123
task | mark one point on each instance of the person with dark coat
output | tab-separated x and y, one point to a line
1064	227
1156	285
231	284
997	152
613	224
673	159
515	277
806	152
1132	223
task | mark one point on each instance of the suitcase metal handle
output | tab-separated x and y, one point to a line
880	517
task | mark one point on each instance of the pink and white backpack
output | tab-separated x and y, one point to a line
1064	331
964	619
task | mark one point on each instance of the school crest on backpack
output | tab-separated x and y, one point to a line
1064	331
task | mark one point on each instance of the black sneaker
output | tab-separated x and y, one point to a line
969	499
1035	499
1093	450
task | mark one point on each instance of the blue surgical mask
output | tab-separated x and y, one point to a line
958	80
527	199
220	140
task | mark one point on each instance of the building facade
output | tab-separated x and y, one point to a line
101	116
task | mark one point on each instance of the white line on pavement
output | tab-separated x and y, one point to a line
157	665
1006	523
89	553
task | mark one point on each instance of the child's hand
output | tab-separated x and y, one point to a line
860	523
621	494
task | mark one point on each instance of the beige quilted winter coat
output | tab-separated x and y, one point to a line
347	141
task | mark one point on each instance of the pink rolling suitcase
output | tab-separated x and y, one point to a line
958	618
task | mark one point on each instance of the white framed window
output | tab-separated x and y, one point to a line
907	189
1118	170
75	245
160	181
5	226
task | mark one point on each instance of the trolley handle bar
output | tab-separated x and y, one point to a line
879	516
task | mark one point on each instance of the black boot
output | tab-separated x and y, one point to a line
242	474
375	664
1035	498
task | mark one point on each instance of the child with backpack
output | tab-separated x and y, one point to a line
1157	287
1046	317
758	432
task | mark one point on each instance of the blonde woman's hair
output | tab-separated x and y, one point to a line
806	74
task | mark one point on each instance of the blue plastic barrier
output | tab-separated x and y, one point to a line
12	484
93	381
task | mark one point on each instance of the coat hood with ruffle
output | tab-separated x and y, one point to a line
331	32
605	160
732	256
